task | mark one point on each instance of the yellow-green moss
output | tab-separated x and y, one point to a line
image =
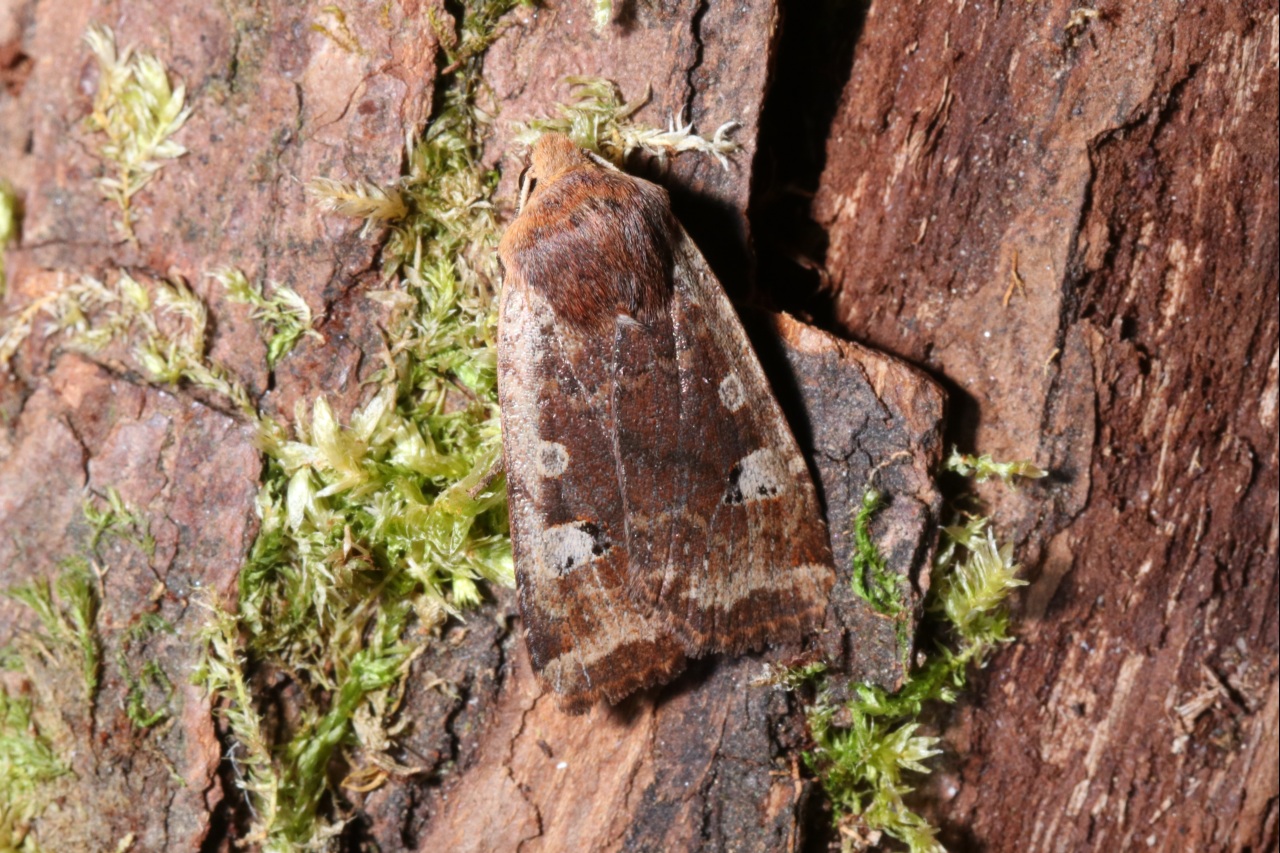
983	468
41	722
67	610
375	531
600	120
9	215
865	747
165	328
284	314
28	764
136	110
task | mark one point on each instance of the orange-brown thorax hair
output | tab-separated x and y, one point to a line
593	242
553	155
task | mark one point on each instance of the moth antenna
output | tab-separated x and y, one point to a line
525	186
601	161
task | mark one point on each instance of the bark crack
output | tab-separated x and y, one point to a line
506	768
699	51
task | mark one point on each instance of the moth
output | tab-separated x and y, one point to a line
660	507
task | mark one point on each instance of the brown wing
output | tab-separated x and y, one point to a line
752	561
658	500
586	638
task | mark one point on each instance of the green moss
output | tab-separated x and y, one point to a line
116	519
67	608
384	525
137	111
149	690
67	611
284	314
872	580
866	747
39	722
983	468
28	764
600	120
165	327
222	672
368	528
10	213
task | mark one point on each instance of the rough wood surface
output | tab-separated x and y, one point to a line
1068	218
274	101
867	421
706	763
82	432
1071	217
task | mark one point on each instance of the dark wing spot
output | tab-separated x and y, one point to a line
733	496
754	478
599	542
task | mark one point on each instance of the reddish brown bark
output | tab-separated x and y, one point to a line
1072	217
274	103
1067	218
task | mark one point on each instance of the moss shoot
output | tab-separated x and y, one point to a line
867	747
136	112
41	725
10	213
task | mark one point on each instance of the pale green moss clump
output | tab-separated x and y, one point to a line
137	110
598	119
285	314
375	531
865	747
28	765
166	327
983	468
68	612
9	214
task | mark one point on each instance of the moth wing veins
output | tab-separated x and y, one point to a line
659	504
586	639
750	562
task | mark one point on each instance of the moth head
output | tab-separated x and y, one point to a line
553	155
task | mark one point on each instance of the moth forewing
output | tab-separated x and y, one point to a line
768	570
660	506
581	630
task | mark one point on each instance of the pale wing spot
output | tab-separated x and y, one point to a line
732	393
816	572
567	546
553	459
543	315
758	475
796	465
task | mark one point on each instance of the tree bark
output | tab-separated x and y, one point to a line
1066	216
1071	218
